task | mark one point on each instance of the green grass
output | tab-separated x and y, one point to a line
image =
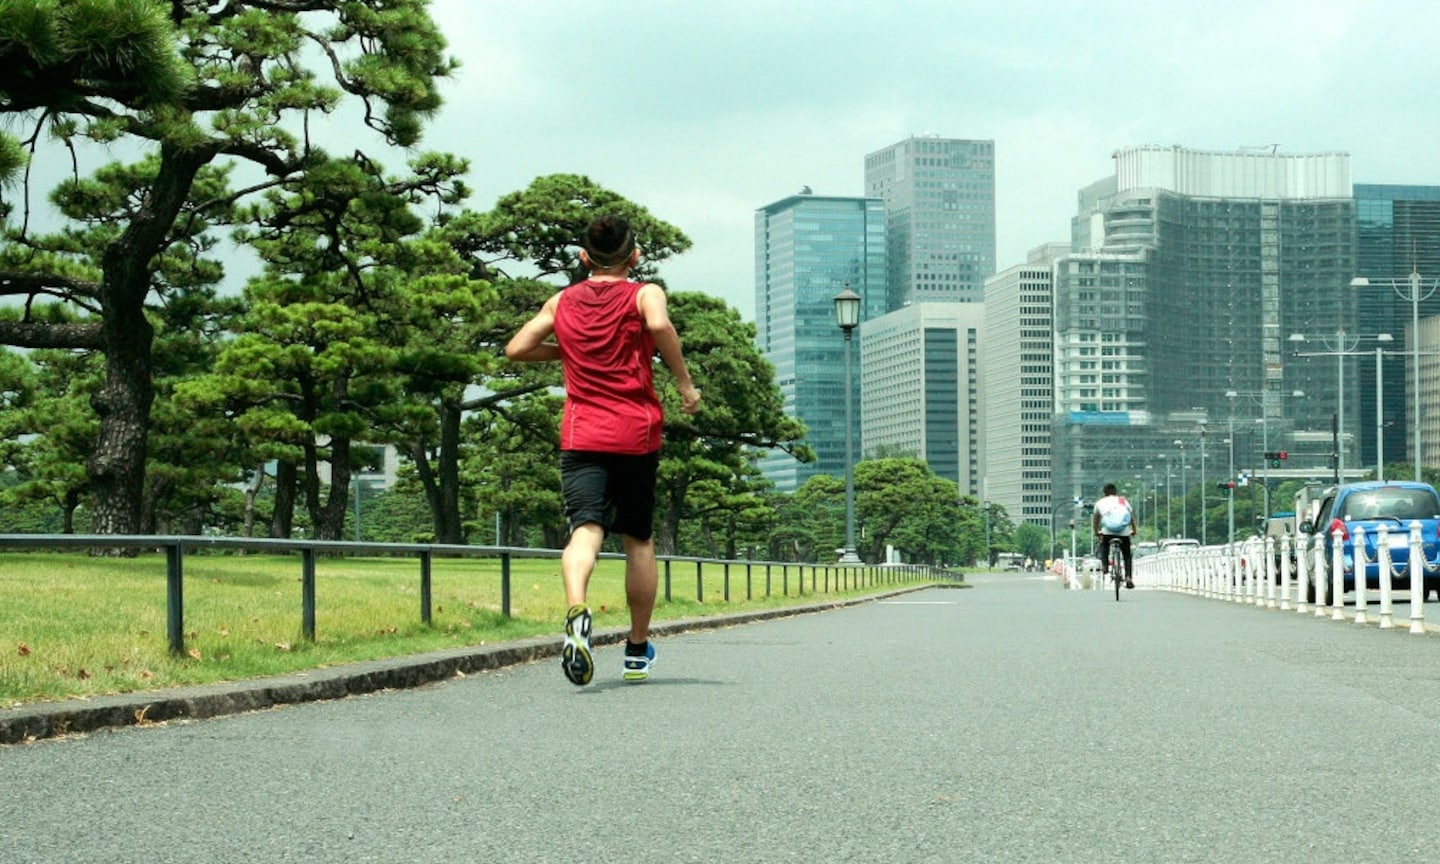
75	626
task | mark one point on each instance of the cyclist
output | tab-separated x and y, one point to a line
1113	521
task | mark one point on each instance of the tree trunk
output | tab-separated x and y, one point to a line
441	482
117	465
251	492
282	521
327	512
449	527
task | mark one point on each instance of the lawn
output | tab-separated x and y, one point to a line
72	625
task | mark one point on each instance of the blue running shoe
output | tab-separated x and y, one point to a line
637	666
575	657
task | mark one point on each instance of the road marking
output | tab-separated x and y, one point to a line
919	603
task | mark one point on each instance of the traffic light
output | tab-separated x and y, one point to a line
1276	457
1223	486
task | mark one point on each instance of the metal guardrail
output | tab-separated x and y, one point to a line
174	547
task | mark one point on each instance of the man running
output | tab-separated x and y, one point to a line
606	331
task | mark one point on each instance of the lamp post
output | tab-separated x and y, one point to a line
847	316
1184	491
1169	495
1341	349
1204	541
1414	296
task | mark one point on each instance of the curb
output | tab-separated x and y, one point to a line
32	722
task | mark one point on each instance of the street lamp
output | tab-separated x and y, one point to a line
847	316
1204	541
1414	297
1169	495
1263	400
1340	350
1184	491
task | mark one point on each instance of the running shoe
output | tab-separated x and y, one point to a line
575	658
637	666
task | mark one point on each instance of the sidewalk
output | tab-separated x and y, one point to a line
33	721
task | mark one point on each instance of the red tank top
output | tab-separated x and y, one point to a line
606	353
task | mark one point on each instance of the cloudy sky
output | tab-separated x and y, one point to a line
704	112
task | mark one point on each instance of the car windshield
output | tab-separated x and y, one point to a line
1394	503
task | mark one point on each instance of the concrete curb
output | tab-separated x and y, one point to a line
31	722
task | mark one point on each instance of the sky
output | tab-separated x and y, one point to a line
704	113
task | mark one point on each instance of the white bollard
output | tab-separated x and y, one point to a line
1269	570
1417	579
1256	571
1360	578
1302	576
1284	573
1337	576
1384	566
1322	580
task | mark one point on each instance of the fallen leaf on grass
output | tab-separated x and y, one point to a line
82	674
194	654
146	674
282	646
24	650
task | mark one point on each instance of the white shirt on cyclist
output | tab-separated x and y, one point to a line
1109	507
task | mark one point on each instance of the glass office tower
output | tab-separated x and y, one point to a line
1190	271
1397	231
939	198
807	249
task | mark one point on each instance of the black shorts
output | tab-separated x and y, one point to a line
614	490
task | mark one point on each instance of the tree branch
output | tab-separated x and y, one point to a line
14	283
23	334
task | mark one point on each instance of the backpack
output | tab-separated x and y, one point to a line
1116	519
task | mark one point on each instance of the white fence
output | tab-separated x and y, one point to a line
1228	572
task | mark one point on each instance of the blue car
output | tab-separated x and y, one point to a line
1369	505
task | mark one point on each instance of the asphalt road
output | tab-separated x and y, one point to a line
1010	722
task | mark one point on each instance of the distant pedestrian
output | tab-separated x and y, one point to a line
606	331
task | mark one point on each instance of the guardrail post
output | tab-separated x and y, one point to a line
699	583
1285	572
785	580
1417	579
1270	572
1383	566
727	581
749	582
307	593
175	596
1302	579
505	584
1337	576
1361	578
425	588
667	580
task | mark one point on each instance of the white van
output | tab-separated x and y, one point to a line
1175	544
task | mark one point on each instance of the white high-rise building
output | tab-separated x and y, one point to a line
1017	383
920	374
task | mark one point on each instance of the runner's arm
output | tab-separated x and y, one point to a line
529	345
653	308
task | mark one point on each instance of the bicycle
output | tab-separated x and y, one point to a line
1116	567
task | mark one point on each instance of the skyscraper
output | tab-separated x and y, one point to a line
1017	385
921	378
1397	233
807	249
1189	271
939	196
